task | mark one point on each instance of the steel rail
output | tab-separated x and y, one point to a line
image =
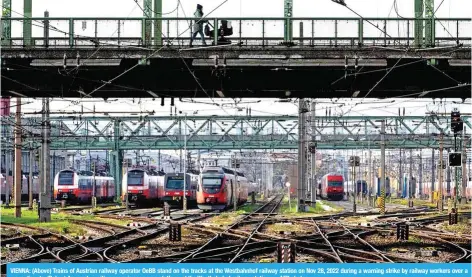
219	235
362	240
327	241
277	203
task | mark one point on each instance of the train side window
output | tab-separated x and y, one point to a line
82	184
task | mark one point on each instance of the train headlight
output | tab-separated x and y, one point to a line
140	191
71	190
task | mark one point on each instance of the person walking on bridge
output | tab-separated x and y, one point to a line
198	25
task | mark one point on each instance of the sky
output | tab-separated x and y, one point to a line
243	8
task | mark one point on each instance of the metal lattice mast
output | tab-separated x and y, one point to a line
147	26
382	164
419	23
429	23
441	179
314	184
420	177
27	29
431	193
17	171
157	23
464	167
45	197
6	23
301	158
288	13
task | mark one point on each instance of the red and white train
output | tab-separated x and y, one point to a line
24	187
150	187
173	190
332	187
216	186
76	187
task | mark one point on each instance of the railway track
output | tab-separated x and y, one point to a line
329	239
212	249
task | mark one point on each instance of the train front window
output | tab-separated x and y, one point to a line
209	182
66	178
335	184
175	182
135	178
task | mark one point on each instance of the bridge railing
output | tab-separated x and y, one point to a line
144	32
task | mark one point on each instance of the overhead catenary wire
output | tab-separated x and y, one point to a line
152	54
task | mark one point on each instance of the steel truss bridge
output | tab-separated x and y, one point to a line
237	132
267	57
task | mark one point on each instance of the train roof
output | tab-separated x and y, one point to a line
221	170
180	173
333	174
150	172
87	173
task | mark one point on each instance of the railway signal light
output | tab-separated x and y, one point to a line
457	125
312	148
438	166
354	161
455	159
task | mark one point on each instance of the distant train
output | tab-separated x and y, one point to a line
24	187
150	187
216	186
141	186
173	190
332	187
387	187
362	187
77	186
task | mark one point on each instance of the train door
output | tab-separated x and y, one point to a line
230	193
105	190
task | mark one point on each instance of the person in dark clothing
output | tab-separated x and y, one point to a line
225	30
198	25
